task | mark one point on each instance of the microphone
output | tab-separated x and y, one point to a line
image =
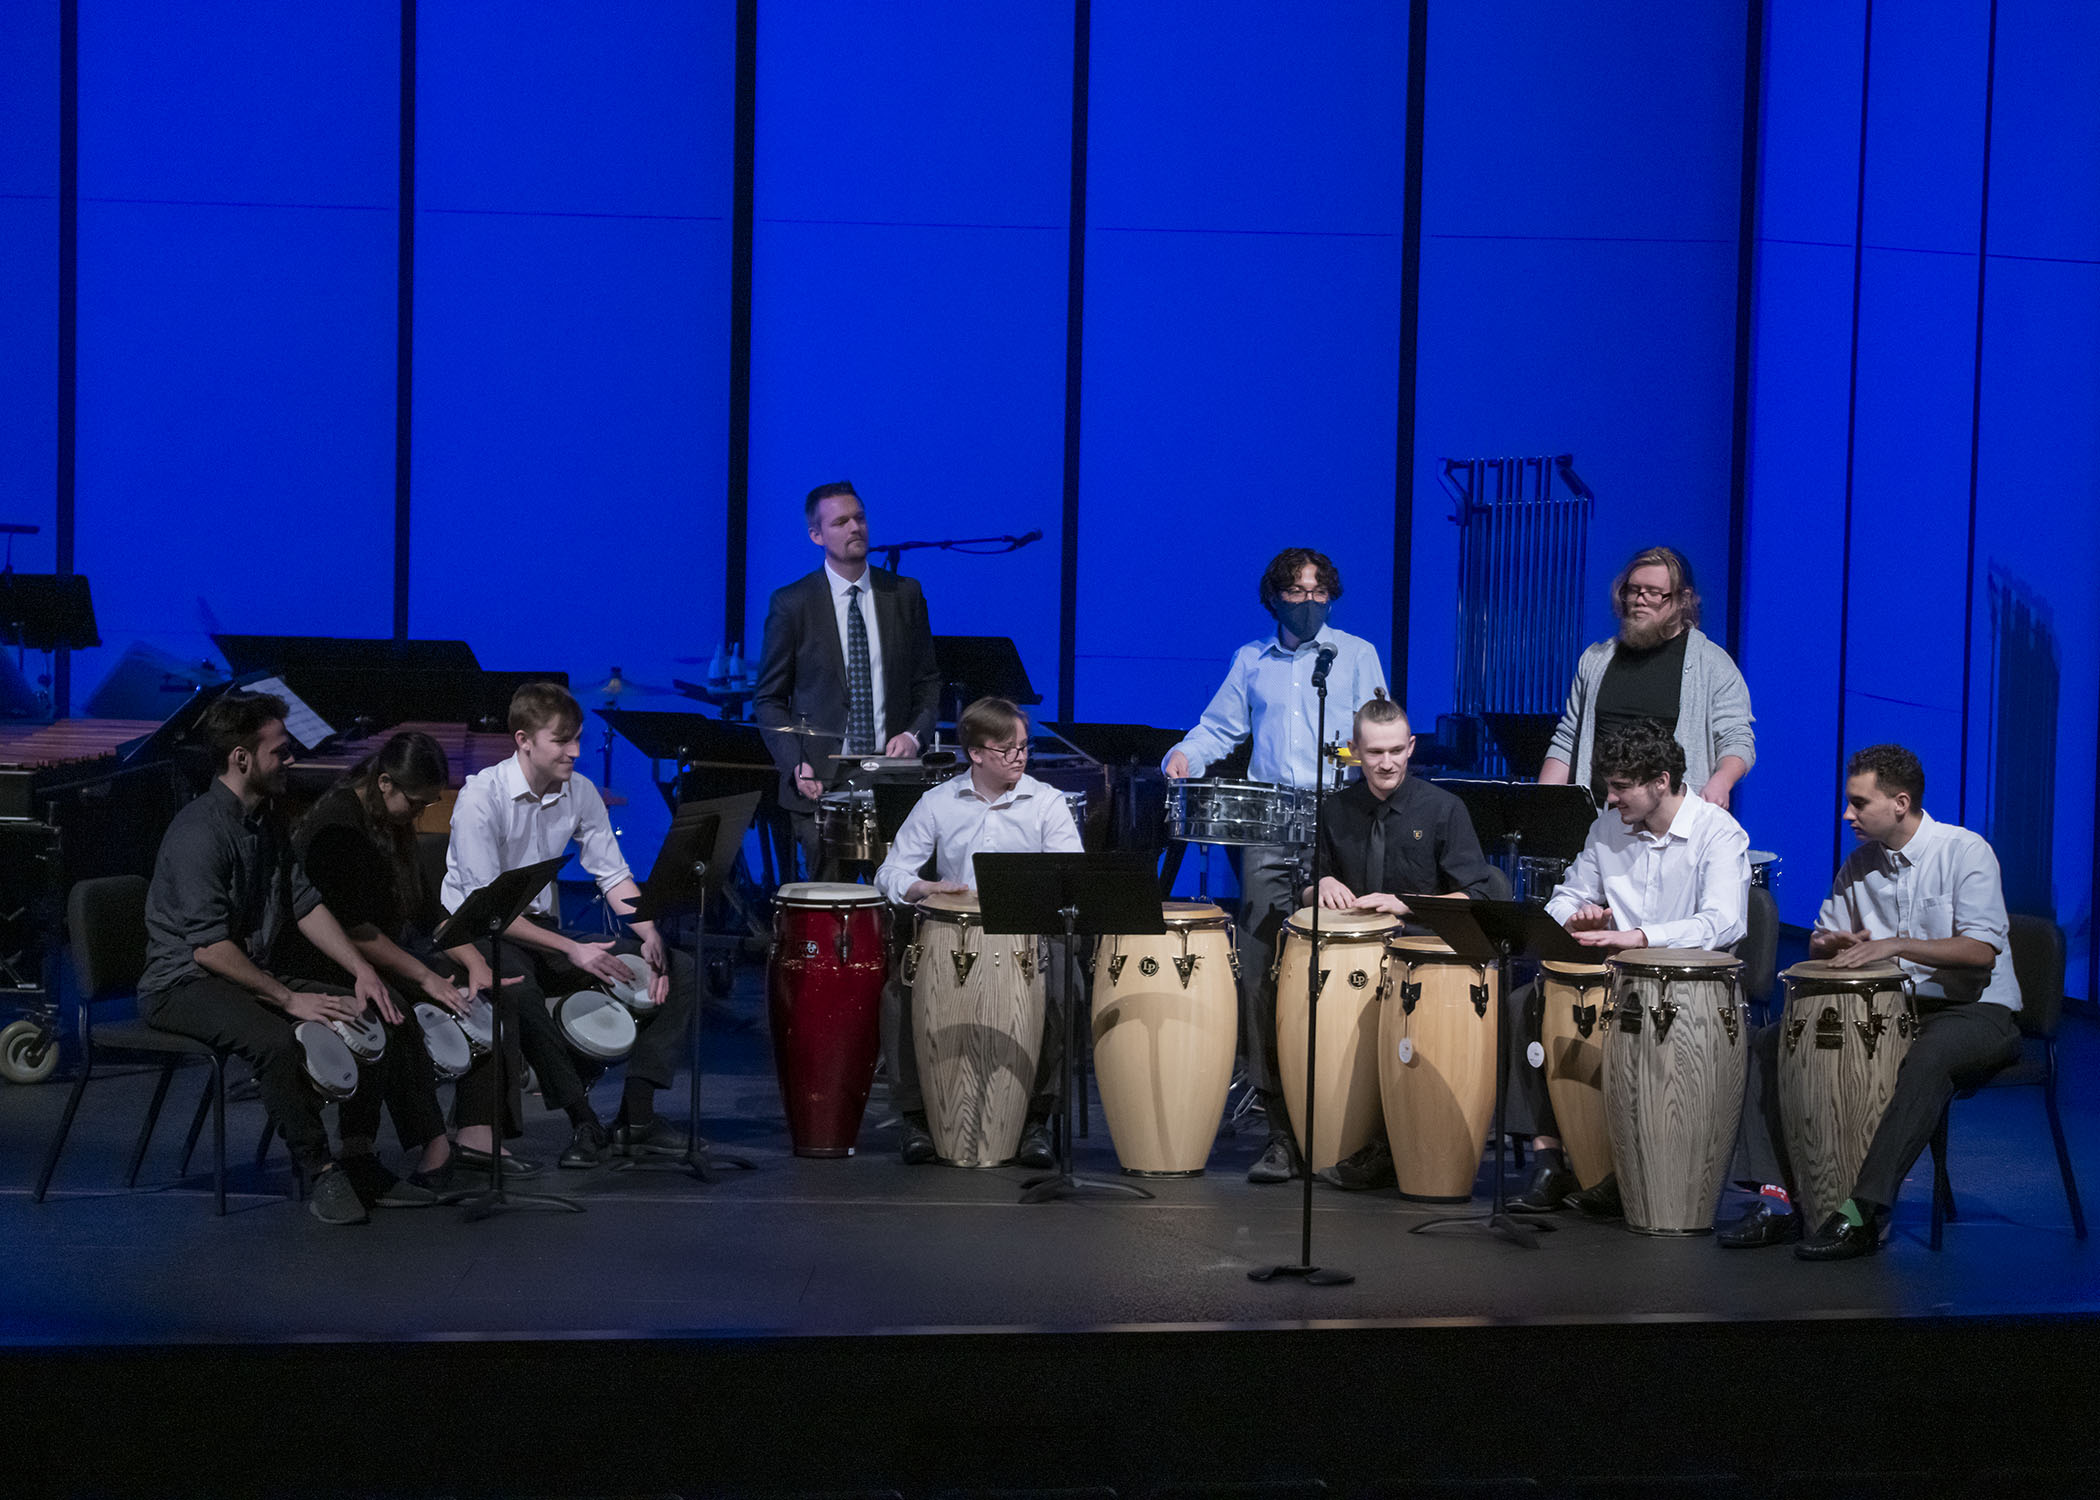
1028	536
1320	666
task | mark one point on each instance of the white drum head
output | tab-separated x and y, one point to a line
365	1036
443	1039
595	1024
827	893
634	994
329	1064
1345	924
478	1025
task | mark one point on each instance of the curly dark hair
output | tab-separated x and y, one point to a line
1893	768
1639	752
1284	568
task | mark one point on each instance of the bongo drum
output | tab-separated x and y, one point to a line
824	981
1166	1021
1843	1037
1571	1039
1673	1083
633	991
444	1040
596	1025
977	1027
1436	1067
365	1037
330	1065
1352	977
478	1025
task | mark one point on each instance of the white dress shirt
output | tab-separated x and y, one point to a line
498	824
1943	883
953	824
840	603
1268	693
1688	888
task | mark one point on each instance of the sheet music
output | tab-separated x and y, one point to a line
306	727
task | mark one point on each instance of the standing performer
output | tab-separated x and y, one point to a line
995	807
1926	895
225	883
848	650
1660	869
1660	666
530	808
1268	694
1383	839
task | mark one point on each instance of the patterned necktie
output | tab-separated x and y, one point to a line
1374	853
860	680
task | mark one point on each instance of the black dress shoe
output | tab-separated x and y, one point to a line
1760	1226
916	1147
467	1159
1367	1169
657	1138
1599	1202
334	1199
1547	1192
586	1147
1279	1163
1035	1146
1838	1238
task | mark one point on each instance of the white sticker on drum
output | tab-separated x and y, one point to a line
1407	1049
1535	1055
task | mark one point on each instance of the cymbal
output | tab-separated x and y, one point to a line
621	687
803	731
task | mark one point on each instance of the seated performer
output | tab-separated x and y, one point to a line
1659	666
995	807
1382	839
225	882
529	808
1926	895
1660	869
1268	695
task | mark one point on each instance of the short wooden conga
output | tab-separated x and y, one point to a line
1571	1037
1436	1067
1352	977
824	982
1673	1083
1166	1020
1842	1039
977	1026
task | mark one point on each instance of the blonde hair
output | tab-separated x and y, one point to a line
1673	562
1379	709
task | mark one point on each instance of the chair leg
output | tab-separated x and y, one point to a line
160	1095
2063	1151
218	1131
213	1089
262	1146
1942	1190
65	1124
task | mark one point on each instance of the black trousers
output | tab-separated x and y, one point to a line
1528	1110
474	1096
1268	896
1958	1047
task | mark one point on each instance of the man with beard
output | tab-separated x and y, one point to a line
1659	666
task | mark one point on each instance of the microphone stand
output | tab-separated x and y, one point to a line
1305	1270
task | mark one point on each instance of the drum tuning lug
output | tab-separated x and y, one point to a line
842	940
1870	1029
1794	1028
1728	1019
1025	958
1232	953
1321	988
965	960
1830	1030
1480	1000
908	970
1585	1020
1115	967
1185	966
1410	995
1665	1014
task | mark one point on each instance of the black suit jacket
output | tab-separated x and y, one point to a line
802	669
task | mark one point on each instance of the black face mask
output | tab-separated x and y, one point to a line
1302	618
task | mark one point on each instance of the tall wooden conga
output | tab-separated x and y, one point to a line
1673	1083
1842	1039
824	982
1571	1036
1352	977
977	1026
1436	1067
1166	1019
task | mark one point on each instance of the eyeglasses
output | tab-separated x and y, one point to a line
1640	593
1301	596
1007	752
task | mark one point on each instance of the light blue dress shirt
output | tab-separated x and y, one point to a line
1268	693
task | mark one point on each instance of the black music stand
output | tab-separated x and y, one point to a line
680	881
1497	932
46	611
1026	894
1527	817
489	913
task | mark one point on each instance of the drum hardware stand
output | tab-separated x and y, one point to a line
1304	1270
1091	893
489	912
678	879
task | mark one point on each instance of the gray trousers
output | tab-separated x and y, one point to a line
1268	896
1046	1094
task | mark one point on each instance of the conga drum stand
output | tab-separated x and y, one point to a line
1031	894
489	913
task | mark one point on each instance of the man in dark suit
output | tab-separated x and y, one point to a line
865	675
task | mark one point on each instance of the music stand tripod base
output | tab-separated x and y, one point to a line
1310	1275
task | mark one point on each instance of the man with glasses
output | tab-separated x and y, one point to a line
1268	696
1659	666
995	807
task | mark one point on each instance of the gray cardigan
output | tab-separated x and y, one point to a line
1713	711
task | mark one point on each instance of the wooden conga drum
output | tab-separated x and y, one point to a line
1571	1038
1436	1067
1352	976
824	982
1673	1083
1166	1021
1842	1039
977	1026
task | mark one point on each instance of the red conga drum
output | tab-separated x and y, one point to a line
824	996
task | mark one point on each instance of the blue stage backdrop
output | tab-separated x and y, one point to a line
29	303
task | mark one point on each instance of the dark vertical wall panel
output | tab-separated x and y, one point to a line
908	297
29	106
1243	271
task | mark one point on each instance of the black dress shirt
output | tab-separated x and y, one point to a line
222	875
1430	847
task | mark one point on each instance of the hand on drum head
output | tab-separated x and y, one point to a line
1862	950
1822	943
919	890
659	966
1590	918
598	961
444	993
1177	766
1608	939
806	782
1383	901
304	1005
372	992
1335	896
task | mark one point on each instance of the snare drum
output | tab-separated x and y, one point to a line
1436	1067
330	1065
444	1040
1764	864
1842	1040
1166	1020
595	1024
365	1037
824	981
1572	1024
1353	967
1238	812
1673	1083
977	1026
846	827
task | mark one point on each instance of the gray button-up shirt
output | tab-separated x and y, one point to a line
222	875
